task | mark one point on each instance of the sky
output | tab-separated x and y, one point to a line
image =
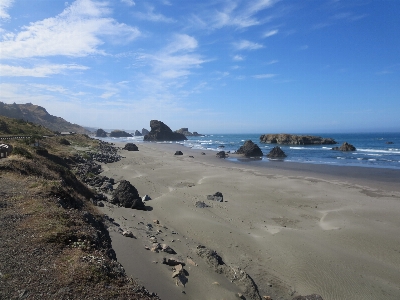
214	66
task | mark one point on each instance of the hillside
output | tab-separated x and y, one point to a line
9	126
38	115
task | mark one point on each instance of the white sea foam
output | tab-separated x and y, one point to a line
379	151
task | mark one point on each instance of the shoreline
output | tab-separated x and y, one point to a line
296	229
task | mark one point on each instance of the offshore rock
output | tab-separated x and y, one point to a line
291	139
249	149
145	131
101	133
138	133
276	152
126	195
345	147
161	132
186	132
120	133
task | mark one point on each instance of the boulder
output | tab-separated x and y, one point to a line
161	132
138	133
201	204
178	153
126	195
130	147
127	233
146	198
120	133
345	147
292	139
101	133
276	152
249	149
221	154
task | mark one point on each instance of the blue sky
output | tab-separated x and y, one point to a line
215	66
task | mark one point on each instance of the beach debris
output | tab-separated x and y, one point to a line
167	249
267	297
276	152
249	149
146	198
202	153
147	247
126	195
172	262
178	152
156	222
216	197
201	204
221	154
240	296
130	147
345	147
128	233
309	297
191	156
155	247
233	273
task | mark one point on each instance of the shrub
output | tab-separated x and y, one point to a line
22	152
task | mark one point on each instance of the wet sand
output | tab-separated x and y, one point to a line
296	229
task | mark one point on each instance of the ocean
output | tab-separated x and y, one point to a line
372	149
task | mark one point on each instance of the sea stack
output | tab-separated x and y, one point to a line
161	132
276	152
249	149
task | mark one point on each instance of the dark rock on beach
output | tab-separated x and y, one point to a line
126	195
276	152
345	147
221	154
161	132
249	149
131	147
178	153
291	139
216	197
101	133
120	133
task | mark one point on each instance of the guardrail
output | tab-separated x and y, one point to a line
14	137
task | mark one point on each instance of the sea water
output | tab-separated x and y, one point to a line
372	149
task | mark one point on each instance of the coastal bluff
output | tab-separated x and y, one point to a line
292	139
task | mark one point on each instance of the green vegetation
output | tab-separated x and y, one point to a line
22	152
9	126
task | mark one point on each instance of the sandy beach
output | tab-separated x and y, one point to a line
295	229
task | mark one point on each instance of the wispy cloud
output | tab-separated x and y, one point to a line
264	76
247	45
4	6
271	33
238	58
150	15
39	71
271	62
129	2
75	32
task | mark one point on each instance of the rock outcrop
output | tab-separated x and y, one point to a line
161	132
291	139
345	147
120	133
145	131
131	147
249	149
186	132
276	152
101	133
138	133
221	154
126	195
178	152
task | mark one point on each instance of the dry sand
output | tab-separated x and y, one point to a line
295	229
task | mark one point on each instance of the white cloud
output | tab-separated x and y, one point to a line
4	6
128	2
271	62
75	32
238	58
181	42
271	33
150	15
247	45
38	71
264	76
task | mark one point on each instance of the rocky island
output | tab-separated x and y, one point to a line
292	139
161	132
